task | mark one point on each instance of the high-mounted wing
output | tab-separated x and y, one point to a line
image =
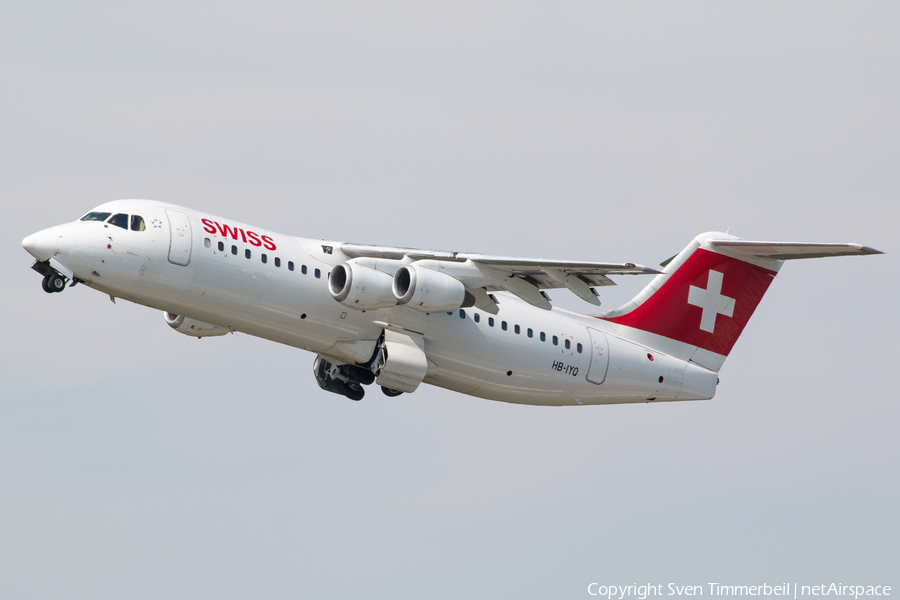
524	277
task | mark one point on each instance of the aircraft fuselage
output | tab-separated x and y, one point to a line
247	279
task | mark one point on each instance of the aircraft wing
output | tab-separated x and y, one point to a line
524	277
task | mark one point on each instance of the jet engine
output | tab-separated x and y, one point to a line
193	327
360	287
429	291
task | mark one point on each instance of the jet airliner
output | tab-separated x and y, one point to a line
478	324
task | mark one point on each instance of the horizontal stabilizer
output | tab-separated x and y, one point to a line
792	250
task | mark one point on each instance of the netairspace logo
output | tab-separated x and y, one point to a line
642	592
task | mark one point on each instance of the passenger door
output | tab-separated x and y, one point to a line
180	238
599	356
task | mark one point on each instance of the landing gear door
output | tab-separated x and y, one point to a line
599	356
403	361
180	240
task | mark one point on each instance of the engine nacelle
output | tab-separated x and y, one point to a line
193	327
429	291
360	287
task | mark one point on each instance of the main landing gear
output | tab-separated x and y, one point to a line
346	380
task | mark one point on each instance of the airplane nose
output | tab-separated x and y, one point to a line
40	245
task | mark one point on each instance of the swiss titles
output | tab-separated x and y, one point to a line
235	233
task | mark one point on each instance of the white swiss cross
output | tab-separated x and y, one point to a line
711	301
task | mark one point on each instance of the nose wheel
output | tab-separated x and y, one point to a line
53	282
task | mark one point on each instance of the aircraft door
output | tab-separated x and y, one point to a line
180	238
599	356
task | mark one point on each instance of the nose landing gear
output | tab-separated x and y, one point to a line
53	282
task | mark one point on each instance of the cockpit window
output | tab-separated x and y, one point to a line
137	223
119	220
95	216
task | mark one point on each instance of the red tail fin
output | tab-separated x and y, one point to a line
702	300
697	308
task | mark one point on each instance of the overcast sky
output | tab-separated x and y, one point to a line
138	463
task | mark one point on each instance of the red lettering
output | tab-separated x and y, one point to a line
246	236
226	231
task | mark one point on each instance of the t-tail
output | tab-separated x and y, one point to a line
698	306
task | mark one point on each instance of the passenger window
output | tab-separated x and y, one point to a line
449	313
477	317
518	330
530	332
318	274
95	216
234	250
221	246
207	242
119	220
503	325
578	347
277	262
137	223
568	345
543	337
490	321
303	269
555	341
462	314
264	258
290	265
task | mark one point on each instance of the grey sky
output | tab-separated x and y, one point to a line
138	463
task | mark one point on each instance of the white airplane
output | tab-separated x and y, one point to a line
477	324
